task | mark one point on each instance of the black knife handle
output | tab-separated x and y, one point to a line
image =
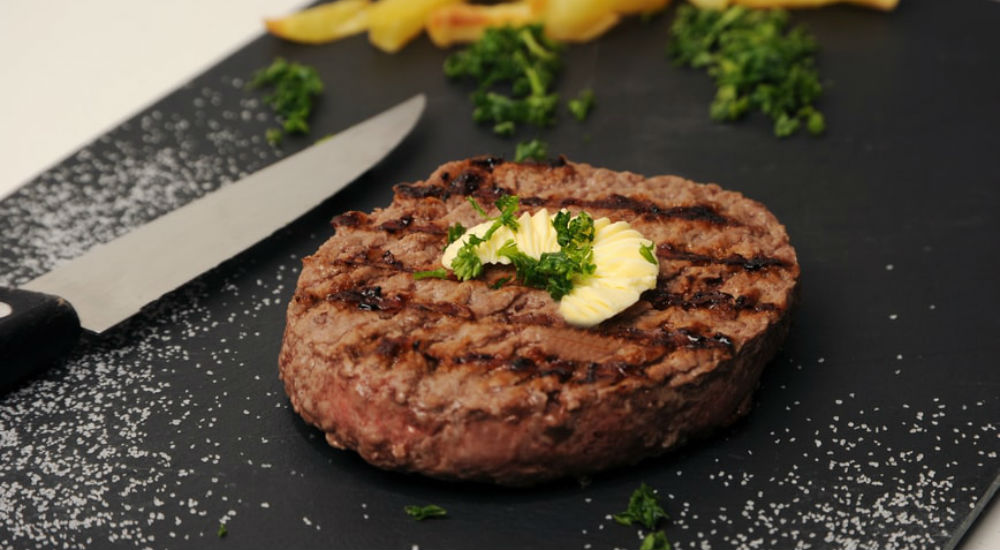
36	330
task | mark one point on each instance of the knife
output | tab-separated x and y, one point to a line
41	321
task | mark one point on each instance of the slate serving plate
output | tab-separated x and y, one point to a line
875	427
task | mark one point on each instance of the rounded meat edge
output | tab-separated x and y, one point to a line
602	430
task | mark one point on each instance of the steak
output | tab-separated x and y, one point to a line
460	380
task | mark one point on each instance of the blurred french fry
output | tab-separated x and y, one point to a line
394	23
322	23
629	7
884	5
579	20
457	23
710	4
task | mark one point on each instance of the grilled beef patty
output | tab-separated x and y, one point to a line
457	380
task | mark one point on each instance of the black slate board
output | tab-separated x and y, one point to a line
875	427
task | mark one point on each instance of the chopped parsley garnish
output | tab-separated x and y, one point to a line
555	272
421	513
657	540
222	532
534	149
294	87
647	252
582	105
643	508
476	207
440	273
523	59
756	61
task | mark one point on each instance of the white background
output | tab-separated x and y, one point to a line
73	70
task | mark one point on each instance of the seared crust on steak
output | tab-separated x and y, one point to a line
457	380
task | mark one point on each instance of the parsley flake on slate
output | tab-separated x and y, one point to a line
656	540
294	87
582	104
756	61
421	513
222	532
534	149
643	508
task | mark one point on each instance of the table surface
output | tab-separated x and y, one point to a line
64	41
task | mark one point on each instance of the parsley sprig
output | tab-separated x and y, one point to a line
421	513
756	61
644	509
646	251
657	540
467	264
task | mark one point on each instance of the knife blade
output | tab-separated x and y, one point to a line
110	282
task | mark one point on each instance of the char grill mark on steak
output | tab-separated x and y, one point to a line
687	293
646	209
656	344
665	251
473	181
394	226
539	365
488	162
478	181
661	299
670	251
368	297
643	207
351	219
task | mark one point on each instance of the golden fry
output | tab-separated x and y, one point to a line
466	22
579	20
394	23
628	7
323	23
